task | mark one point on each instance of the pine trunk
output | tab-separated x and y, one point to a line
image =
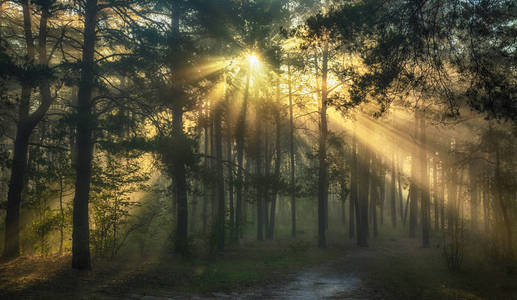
81	227
322	156
424	179
353	207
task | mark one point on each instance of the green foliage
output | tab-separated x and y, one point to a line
41	227
114	182
150	222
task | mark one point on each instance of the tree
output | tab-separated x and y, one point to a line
81	225
425	197
35	71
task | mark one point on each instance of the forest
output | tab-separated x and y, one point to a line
258	149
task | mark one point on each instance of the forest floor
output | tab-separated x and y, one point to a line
391	268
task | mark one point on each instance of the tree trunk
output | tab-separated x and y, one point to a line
239	137
292	189
399	188
16	183
441	196
424	179
229	156
81	227
452	209
435	193
486	201
206	188
364	182
374	195
407	206
278	163
414	190
266	187
245	196
62	215
213	167
193	209
343	195
219	184
503	207
180	185
26	124
382	192
473	180
260	188
393	208
322	155
353	207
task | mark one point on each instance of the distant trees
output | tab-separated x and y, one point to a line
410	61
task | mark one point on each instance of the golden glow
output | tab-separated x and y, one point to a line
253	60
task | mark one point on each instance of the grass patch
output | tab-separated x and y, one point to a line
240	267
408	271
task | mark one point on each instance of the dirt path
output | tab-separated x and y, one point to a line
328	281
345	278
339	279
321	283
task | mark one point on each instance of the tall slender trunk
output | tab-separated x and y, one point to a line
81	227
362	207
180	185
414	190
292	189
374	198
382	192
219	185
441	196
424	179
174	204
16	183
399	188
473	180
353	207
245	196
278	162
260	188
435	193
486	201
206	188
239	137
193	209
62	215
343	194
452	209
322	154
503	207
266	187
213	167
393	208
407	207
229	156
26	124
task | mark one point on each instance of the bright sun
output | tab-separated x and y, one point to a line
253	59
